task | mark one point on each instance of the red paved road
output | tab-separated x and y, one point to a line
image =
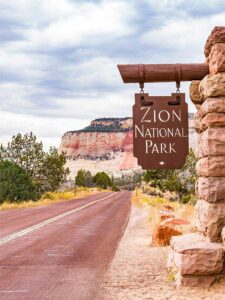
67	258
11	220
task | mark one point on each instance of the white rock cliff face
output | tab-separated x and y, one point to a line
96	144
105	145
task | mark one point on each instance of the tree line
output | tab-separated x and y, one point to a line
181	181
27	171
100	179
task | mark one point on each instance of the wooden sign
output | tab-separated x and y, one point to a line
160	131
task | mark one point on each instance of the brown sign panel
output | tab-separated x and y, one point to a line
160	131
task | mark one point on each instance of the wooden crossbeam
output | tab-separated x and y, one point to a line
162	72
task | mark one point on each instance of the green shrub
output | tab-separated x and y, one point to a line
181	181
83	178
48	195
102	180
115	189
15	184
185	198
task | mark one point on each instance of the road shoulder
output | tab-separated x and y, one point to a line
138	270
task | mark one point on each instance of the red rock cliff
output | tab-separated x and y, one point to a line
102	138
95	144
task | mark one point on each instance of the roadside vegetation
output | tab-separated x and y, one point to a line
30	176
169	197
100	180
156	204
179	182
45	171
129	180
175	185
49	198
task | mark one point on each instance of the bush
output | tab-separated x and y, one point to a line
180	181
102	180
15	184
83	178
115	189
185	198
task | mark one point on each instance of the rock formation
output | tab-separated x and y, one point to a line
99	140
197	261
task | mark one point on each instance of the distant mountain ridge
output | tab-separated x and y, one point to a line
107	125
111	125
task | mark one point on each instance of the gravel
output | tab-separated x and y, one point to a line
138	270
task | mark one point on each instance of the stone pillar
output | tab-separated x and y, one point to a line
211	142
198	258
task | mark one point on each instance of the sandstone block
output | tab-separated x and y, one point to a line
194	254
223	237
197	121
204	261
203	281
213	105
187	243
211	142
211	189
212	86
212	120
197	106
210	219
211	166
194	92
217	36
217	58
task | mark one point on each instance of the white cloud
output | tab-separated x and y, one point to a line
51	24
197	7
92	105
20	64
92	72
183	38
49	130
17	97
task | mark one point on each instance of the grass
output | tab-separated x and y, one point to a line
51	197
155	204
171	276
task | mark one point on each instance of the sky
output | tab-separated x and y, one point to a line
58	58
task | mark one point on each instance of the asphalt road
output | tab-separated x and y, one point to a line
61	251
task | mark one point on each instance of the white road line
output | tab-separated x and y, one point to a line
64	223
66	255
23	232
18	291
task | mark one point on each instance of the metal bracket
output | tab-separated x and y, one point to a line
141	77
178	76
